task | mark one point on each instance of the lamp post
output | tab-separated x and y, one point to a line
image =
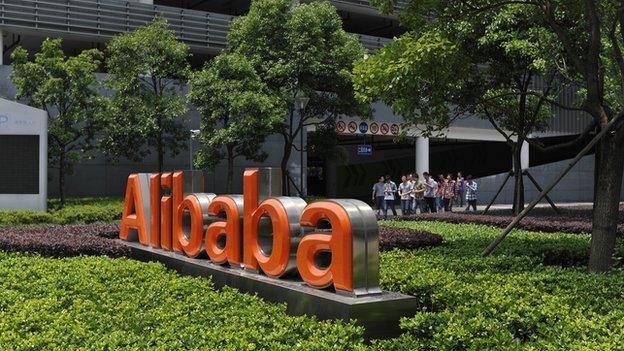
193	133
301	101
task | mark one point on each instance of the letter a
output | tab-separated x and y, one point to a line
133	220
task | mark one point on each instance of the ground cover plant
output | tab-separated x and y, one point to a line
78	210
569	220
391	237
63	241
534	293
102	303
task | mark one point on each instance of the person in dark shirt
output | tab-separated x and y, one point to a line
378	194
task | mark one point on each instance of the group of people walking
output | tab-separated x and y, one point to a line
426	195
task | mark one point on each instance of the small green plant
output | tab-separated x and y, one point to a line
534	293
110	304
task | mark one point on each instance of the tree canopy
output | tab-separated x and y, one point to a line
581	41
238	111
300	49
145	70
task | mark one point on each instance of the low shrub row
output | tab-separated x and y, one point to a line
99	303
62	241
550	224
84	210
391	237
511	300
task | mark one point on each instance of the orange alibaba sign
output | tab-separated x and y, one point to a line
328	244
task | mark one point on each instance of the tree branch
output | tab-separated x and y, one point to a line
617	51
578	140
498	128
555	103
568	46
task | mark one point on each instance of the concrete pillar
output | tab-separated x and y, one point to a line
524	155
421	152
1	47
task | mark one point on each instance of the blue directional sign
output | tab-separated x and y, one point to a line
363	127
366	150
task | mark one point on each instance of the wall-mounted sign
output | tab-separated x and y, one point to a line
23	156
352	126
363	127
374	128
349	125
394	129
365	150
385	128
341	126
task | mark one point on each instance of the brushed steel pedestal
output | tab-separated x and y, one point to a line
379	314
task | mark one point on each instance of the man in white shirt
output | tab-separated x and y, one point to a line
431	187
390	190
405	192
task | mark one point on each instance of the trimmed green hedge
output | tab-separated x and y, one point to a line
520	298
76	211
108	304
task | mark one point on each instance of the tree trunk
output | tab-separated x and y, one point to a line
518	203
62	176
284	165
607	201
230	168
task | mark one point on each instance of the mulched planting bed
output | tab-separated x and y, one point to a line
63	241
570	220
405	238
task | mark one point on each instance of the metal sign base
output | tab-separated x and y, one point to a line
379	314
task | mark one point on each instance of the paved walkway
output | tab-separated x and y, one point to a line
508	206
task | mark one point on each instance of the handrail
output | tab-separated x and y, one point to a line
202	31
105	18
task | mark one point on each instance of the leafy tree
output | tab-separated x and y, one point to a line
238	111
300	49
588	37
145	70
418	76
513	80
66	87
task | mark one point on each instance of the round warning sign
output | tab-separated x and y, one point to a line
394	129
374	128
385	128
341	126
352	127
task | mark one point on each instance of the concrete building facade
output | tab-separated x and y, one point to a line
470	145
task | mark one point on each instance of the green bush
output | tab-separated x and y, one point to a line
521	297
83	210
102	303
